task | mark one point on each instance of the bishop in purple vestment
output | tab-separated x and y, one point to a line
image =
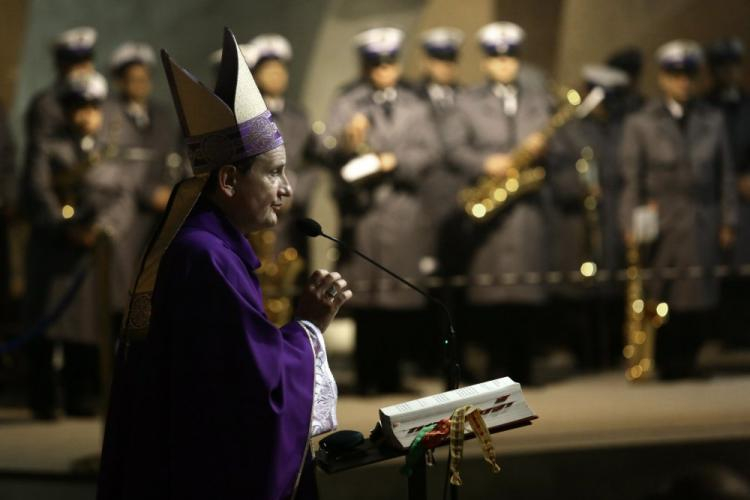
214	401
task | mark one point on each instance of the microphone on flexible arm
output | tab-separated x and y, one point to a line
311	228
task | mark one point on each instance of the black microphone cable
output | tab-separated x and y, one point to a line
312	228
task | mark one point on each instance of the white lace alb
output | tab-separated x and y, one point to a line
325	393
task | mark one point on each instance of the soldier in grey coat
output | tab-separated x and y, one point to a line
440	81
586	183
726	58
677	167
73	53
490	121
142	138
268	56
391	130
73	197
8	190
440	87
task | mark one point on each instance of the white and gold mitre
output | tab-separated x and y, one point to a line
226	125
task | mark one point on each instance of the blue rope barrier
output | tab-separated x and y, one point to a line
45	322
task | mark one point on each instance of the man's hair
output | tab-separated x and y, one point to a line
120	71
212	184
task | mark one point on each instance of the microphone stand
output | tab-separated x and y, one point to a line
450	349
449	342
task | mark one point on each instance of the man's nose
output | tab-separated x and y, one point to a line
285	190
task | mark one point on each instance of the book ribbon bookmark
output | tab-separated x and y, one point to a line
473	416
430	436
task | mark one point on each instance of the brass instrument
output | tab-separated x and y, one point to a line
277	275
642	320
588	170
67	183
492	194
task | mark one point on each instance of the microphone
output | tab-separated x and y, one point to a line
313	229
309	227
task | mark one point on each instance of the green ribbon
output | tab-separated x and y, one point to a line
416	450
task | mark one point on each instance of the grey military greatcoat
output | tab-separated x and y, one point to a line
148	153
8	190
44	116
442	183
100	195
580	236
384	216
8	186
512	242
737	115
687	171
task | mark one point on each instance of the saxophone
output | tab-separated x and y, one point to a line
491	194
277	275
588	171
642	320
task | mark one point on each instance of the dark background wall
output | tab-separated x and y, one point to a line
541	21
12	24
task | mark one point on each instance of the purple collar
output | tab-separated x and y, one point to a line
206	216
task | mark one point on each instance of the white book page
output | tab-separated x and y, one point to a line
496	411
448	401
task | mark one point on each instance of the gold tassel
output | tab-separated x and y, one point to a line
474	417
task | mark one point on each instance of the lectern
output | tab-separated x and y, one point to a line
341	452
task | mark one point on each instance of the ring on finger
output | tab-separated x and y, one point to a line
332	292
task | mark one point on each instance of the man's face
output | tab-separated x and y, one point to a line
76	69
384	75
440	71
135	82
87	119
501	69
272	77
259	193
678	86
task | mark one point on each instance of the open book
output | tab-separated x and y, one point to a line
500	401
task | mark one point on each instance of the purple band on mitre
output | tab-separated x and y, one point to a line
231	145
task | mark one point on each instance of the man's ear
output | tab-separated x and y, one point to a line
228	180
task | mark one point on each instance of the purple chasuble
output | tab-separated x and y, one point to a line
217	402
